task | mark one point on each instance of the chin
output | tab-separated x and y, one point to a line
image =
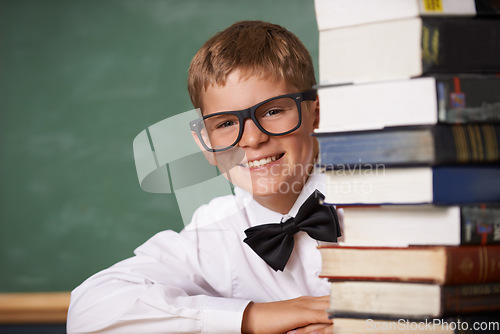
263	190
266	187
256	186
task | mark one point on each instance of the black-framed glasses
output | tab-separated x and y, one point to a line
277	116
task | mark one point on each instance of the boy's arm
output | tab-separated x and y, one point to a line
283	316
160	290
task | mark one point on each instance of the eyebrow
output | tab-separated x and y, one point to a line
233	110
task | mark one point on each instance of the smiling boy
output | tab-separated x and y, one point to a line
252	83
270	182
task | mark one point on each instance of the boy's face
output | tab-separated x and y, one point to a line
291	155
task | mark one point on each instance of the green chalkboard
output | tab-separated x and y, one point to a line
79	79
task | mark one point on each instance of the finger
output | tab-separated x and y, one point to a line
328	330
313	328
316	313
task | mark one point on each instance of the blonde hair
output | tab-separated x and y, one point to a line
256	48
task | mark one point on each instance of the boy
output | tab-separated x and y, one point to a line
252	84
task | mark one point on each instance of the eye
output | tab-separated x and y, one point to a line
225	124
274	112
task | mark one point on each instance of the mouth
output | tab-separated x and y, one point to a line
262	161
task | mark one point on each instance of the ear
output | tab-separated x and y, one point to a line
315	110
210	156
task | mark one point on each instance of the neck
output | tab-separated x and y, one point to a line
281	203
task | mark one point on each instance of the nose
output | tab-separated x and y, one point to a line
252	136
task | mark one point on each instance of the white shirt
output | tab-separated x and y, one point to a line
201	279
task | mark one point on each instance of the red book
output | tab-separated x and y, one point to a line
427	264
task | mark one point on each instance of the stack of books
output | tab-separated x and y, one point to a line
409	139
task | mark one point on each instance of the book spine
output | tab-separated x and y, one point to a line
468	299
468	98
374	316
472	264
411	146
460	45
487	7
463	184
431	40
453	7
480	225
472	143
461	324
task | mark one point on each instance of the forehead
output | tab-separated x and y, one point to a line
242	92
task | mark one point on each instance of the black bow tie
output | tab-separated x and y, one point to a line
274	242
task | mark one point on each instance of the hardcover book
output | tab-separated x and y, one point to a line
450	325
411	300
444	185
411	146
408	48
444	265
340	13
401	225
459	98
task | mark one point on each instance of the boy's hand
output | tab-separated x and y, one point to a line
313	329
287	315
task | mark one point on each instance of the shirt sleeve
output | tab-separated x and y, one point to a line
167	287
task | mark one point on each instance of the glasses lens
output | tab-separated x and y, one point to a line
221	131
278	116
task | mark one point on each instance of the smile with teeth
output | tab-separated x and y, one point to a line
262	162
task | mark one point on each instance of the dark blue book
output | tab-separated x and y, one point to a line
411	145
442	185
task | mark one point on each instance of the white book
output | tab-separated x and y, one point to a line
388	50
453	99
379	51
378	105
406	48
379	299
442	185
401	225
341	13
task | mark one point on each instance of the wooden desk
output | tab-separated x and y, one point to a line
30	308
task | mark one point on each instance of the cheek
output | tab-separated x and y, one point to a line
301	148
226	160
309	147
